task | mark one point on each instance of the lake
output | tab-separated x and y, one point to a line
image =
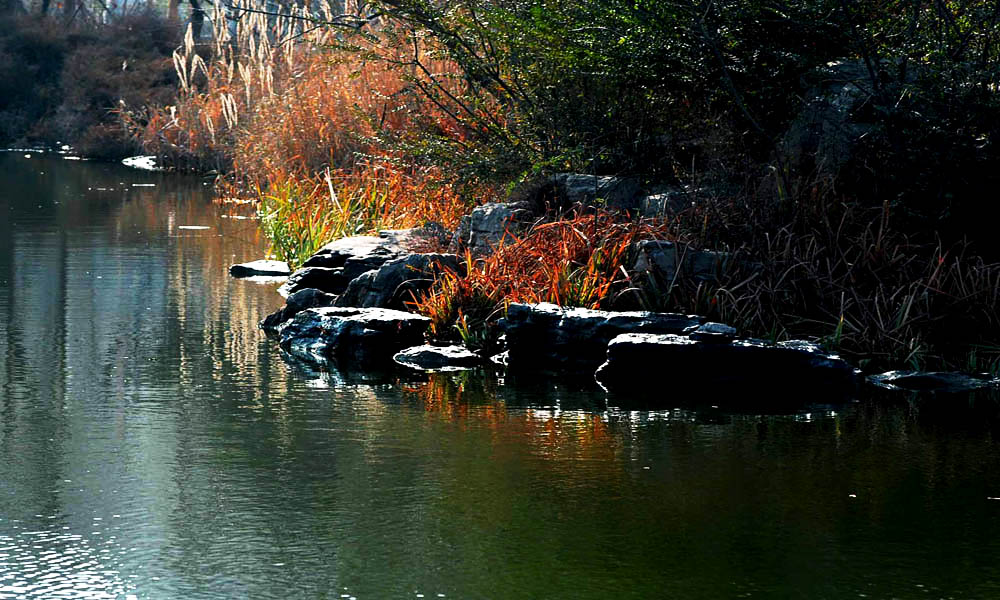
154	444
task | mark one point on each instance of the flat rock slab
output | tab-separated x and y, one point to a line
713	332
261	268
358	336
438	358
363	252
552	338
652	364
296	303
936	382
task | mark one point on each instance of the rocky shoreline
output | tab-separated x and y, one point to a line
346	308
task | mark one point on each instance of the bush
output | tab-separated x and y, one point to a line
60	83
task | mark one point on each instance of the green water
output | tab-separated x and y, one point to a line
153	444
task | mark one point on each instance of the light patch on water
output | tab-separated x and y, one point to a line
143	185
146	163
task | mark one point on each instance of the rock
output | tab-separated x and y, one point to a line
261	268
551	338
593	190
486	228
936	382
657	261
296	303
822	137
347	258
438	358
668	202
642	363
366	337
325	279
713	333
391	285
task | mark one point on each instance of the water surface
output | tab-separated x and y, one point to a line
154	444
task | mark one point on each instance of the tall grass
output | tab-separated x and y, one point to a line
578	261
309	128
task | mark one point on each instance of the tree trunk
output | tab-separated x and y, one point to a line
197	19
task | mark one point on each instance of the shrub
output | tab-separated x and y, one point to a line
66	83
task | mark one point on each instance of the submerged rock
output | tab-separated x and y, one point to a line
394	282
261	268
640	363
938	382
549	337
363	336
296	303
438	358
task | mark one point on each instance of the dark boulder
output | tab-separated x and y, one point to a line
581	190
552	338
669	200
296	303
395	282
325	279
341	261
640	363
661	263
823	137
438	358
261	268
366	337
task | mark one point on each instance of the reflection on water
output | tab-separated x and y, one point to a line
153	444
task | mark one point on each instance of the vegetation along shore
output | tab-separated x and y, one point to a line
823	170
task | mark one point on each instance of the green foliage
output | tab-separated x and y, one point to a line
667	89
300	221
616	85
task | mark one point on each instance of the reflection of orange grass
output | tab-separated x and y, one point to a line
554	434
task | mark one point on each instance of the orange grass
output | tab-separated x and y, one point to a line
304	117
579	261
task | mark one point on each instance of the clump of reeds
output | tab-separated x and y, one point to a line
309	129
577	261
